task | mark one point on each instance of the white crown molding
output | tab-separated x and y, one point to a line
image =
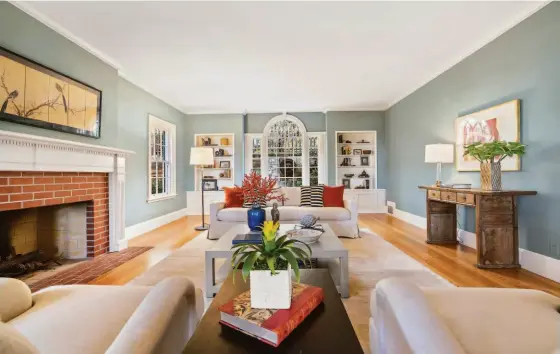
480	44
55	26
290	111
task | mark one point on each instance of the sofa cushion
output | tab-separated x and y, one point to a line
78	318
291	213
513	320
233	198
333	196
312	196
15	298
232	214
293	194
13	342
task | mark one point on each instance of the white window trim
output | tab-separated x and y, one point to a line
323	167
155	122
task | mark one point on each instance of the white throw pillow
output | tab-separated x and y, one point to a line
293	194
13	342
15	298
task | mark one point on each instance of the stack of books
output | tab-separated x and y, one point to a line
269	325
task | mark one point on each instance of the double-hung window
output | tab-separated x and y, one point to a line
162	159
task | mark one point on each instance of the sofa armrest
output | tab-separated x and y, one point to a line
215	207
405	322
353	207
154	317
15	298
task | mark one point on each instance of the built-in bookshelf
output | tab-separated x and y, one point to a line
356	159
222	170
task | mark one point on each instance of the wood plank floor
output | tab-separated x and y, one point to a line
454	263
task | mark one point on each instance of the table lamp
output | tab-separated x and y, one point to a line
202	156
439	153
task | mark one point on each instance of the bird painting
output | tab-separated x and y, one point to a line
12	96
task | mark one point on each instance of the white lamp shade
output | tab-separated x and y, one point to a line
202	156
439	153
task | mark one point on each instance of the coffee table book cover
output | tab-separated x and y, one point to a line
269	325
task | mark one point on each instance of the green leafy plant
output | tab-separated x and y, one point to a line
488	152
273	254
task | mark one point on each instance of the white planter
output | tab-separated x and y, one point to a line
271	291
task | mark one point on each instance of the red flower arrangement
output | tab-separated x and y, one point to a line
256	189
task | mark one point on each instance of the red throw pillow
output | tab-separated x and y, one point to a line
233	198
333	196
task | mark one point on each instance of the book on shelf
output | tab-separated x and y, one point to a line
269	325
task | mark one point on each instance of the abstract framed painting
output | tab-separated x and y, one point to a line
500	122
35	95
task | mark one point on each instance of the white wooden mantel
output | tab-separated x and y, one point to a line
26	152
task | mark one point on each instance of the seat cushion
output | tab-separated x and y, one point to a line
15	298
233	214
78	318
293	213
499	320
13	342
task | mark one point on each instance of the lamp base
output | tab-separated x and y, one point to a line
203	227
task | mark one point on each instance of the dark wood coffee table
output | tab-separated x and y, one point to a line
326	330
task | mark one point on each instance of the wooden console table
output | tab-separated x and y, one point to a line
497	243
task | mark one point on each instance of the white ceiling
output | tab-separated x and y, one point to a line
209	57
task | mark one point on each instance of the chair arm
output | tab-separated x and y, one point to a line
215	207
15	298
148	325
353	207
405	321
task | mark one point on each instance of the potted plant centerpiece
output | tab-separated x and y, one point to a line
270	265
257	191
490	156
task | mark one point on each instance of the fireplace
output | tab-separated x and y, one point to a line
43	178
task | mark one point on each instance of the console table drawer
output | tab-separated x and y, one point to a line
465	198
449	196
434	195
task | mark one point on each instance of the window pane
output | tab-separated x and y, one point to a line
154	187
160	185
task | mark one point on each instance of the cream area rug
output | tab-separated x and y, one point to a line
371	259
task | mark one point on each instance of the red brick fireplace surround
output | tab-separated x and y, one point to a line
21	190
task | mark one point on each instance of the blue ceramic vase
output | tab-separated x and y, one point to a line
255	217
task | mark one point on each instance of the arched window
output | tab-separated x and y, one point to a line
286	151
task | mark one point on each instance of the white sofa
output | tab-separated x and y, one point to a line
98	319
343	221
408	319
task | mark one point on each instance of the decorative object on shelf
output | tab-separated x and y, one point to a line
346	183
364	174
348	142
306	235
308	221
219	152
366	184
499	122
363	141
357	151
340	139
206	141
225	164
348	175
438	153
364	160
270	265
366	152
224	141
39	96
210	184
275	213
222	175
257	191
346	150
201	156
490	156
346	162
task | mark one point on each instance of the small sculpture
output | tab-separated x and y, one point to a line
308	221
275	213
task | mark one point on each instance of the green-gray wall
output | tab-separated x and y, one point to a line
134	105
522	63
125	107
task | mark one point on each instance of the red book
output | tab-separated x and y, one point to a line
268	325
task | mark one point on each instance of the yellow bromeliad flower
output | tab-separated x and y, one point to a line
269	230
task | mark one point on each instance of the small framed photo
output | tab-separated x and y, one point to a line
225	164
357	151
364	160
210	184
346	183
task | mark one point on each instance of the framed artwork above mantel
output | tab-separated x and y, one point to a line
500	122
35	95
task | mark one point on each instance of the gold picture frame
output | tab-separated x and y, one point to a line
35	95
499	122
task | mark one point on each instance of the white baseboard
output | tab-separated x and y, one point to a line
542	265
149	225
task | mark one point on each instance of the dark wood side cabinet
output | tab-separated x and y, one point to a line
497	241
